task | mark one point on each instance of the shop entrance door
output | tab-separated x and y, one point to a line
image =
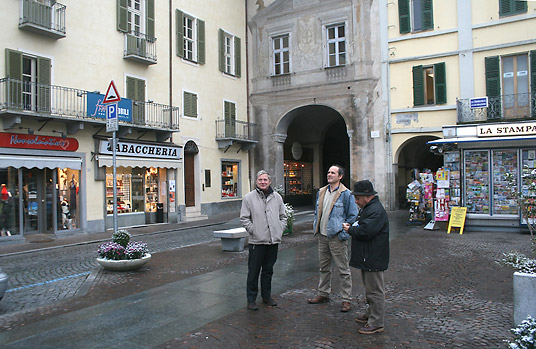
189	179
38	201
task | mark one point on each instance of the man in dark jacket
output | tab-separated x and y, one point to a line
370	253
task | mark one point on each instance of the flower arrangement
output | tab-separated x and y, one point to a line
122	248
524	335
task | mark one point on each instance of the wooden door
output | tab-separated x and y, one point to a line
189	179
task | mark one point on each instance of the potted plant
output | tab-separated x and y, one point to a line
524	267
123	254
524	335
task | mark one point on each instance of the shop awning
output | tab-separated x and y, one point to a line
51	162
131	161
481	139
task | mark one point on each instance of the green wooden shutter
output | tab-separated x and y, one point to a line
238	57
194	105
122	16
404	21
150	20
493	86
221	50
43	84
418	85
533	80
440	83
230	117
14	73
200	41
427	14
520	6
190	104
179	18
136	92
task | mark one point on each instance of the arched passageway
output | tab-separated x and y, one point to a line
414	154
316	138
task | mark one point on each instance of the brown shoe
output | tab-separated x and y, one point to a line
361	318
345	307
318	300
367	329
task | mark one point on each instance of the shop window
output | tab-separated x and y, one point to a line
415	15
298	177
9	202
503	162
477	181
151	189
68	190
229	179
124	190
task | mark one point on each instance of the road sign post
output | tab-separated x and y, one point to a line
112	125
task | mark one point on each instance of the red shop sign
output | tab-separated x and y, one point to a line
16	140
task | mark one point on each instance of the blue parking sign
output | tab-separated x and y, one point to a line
112	123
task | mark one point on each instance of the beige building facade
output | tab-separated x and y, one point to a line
182	129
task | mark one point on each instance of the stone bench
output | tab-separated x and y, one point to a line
232	239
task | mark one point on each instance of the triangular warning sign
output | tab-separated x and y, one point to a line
112	95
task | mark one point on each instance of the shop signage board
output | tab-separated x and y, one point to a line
17	140
457	219
97	109
494	130
141	150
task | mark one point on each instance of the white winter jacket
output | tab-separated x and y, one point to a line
263	217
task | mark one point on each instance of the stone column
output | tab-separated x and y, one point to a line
352	174
278	177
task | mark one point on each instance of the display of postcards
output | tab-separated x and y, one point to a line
531	154
452	156
454	174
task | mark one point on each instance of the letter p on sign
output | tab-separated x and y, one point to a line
111	118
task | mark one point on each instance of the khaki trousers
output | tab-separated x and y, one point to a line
334	251
375	297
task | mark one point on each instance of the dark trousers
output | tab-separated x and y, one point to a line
261	260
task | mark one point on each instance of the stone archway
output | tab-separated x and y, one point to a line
413	153
309	140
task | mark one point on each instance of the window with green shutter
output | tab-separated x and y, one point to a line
512	7
415	15
493	85
190	37
136	92
229	53
136	17
429	84
229	114
190	104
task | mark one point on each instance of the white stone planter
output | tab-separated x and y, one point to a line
524	296
125	264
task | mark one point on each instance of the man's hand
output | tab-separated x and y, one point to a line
346	226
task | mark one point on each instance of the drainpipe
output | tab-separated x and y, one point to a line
247	90
170	61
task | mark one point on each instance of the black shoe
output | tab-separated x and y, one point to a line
269	301
252	306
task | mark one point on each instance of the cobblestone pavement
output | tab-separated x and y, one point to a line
443	291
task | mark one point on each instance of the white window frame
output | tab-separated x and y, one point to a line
229	53
281	51
335	41
132	12
190	38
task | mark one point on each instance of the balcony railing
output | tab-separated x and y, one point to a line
231	131
140	48
47	18
29	98
506	107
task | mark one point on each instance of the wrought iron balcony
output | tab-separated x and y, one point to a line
43	17
229	132
29	99
140	48
520	106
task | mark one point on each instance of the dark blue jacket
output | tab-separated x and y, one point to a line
370	239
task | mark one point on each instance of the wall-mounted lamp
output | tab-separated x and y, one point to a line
30	130
63	135
391	26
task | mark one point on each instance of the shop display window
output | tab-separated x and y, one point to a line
298	177
229	179
151	189
503	162
476	166
68	190
528	185
9	203
124	190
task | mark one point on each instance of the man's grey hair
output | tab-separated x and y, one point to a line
263	172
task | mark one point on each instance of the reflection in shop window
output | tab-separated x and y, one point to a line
9	203
68	191
151	189
229	179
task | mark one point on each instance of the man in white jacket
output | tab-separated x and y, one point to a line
264	218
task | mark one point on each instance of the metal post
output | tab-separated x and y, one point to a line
115	180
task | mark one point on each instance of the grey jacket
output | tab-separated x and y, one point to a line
263	217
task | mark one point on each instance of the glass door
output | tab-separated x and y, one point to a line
38	201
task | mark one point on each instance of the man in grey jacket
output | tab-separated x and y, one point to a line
264	218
